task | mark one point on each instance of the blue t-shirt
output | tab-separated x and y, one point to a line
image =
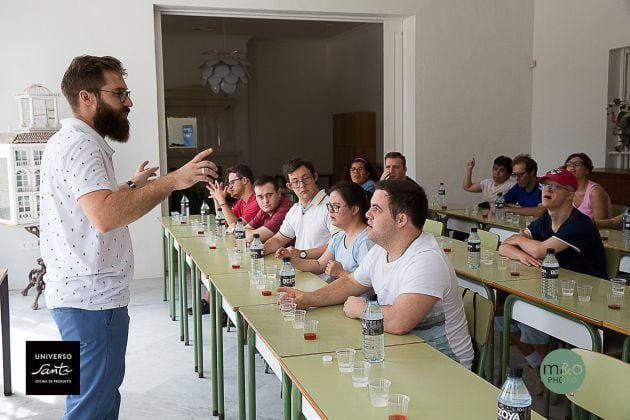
585	253
520	195
350	257
369	186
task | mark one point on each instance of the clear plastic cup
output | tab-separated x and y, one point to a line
397	406
567	287
515	269
211	239
234	258
270	285
345	359
618	286
379	391
256	277
271	269
584	292
360	374
298	320
310	329
615	301
604	234
503	263
288	311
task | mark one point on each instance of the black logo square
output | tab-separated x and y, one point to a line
52	368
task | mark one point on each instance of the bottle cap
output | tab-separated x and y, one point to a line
256	235
373	298
240	220
286	259
474	229
327	358
514	372
551	251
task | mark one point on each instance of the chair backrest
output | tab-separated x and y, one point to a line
433	227
479	314
612	262
489	240
604	391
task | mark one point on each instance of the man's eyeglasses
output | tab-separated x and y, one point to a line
334	208
122	95
551	187
231	183
353	170
304	181
575	164
518	175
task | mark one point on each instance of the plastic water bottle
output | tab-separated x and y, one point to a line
442	196
474	249
220	223
287	273
549	275
205	214
373	336
626	226
499	207
239	236
184	209
514	399
257	259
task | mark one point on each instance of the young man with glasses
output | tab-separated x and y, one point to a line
240	185
308	221
524	197
85	240
571	234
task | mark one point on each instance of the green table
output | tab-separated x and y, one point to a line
275	338
438	387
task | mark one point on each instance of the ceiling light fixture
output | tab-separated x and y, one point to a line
224	69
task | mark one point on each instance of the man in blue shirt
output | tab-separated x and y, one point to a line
524	197
571	234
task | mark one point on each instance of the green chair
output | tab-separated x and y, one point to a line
612	261
489	240
479	314
433	227
604	391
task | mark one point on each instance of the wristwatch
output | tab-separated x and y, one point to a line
303	254
131	184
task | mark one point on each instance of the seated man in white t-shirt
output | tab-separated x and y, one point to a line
308	221
414	280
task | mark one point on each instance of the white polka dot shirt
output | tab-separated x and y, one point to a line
85	269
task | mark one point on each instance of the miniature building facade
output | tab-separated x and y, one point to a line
21	156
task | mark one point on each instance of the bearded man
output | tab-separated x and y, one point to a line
85	241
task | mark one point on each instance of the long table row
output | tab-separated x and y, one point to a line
316	388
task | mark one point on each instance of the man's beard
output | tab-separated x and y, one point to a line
111	123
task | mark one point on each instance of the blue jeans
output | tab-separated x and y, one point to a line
103	336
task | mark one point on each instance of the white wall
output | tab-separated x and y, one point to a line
472	87
355	75
571	43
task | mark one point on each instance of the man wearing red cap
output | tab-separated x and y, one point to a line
578	247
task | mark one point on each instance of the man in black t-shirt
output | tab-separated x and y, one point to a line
571	234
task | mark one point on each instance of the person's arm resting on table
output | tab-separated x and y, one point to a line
333	293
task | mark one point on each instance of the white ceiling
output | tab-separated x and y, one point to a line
260	28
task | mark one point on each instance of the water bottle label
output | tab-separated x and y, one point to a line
549	272
505	412
626	223
474	247
372	327
239	234
500	205
219	222
256	253
287	281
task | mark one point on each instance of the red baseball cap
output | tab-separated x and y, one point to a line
560	176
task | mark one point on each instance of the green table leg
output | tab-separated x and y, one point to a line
165	263
199	333
286	396
219	372
214	348
171	275
626	350
184	299
196	324
181	273
296	403
251	373
240	368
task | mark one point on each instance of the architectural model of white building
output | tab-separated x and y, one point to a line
21	154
